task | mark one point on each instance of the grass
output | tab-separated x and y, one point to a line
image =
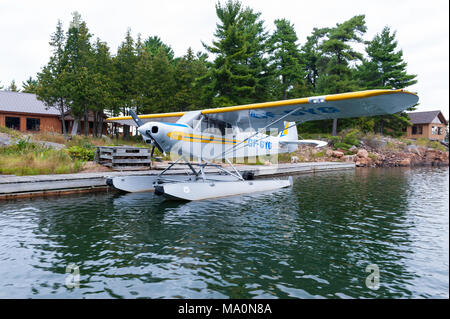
27	158
11	132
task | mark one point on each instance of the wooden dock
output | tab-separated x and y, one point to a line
12	187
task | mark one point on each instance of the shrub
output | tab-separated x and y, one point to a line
350	137
11	132
438	146
81	153
343	146
334	139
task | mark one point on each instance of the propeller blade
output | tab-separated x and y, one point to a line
136	118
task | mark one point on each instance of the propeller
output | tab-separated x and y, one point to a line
139	123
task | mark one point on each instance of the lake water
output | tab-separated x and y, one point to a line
315	240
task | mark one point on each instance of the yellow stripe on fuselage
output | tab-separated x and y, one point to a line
181	136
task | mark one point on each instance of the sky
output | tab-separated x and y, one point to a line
422	30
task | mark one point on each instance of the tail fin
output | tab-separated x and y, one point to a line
289	133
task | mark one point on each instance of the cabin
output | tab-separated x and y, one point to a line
25	113
430	124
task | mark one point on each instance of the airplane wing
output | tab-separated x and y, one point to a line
158	117
259	115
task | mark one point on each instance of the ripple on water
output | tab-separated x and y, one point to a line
311	241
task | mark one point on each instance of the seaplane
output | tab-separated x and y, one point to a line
214	136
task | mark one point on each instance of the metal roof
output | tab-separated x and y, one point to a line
24	103
426	117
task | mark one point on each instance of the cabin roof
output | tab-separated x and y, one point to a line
24	103
426	117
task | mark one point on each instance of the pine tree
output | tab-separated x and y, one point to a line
30	85
285	57
78	75
311	54
239	74
103	87
162	83
154	43
385	69
124	64
51	88
188	70
13	87
338	54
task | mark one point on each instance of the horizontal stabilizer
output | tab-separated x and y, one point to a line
315	142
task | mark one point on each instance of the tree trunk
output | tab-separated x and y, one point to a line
86	122
382	125
78	119
334	130
63	122
126	131
94	125
100	124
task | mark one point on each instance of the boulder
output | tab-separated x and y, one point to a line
329	152
337	154
405	162
349	158
362	153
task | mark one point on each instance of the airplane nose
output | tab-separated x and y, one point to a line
149	129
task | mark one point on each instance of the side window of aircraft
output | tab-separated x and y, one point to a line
214	126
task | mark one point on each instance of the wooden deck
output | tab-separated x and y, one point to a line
12	187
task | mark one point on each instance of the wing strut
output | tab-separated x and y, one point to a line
260	131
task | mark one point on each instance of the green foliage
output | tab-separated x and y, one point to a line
425	142
351	137
386	69
346	139
285	58
333	140
343	146
12	87
30	85
240	73
81	153
11	132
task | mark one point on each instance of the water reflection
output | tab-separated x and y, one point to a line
314	240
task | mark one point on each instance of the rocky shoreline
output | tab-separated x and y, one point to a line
421	157
389	153
418	156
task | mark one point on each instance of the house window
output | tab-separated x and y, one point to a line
12	122
439	130
417	129
434	130
33	124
